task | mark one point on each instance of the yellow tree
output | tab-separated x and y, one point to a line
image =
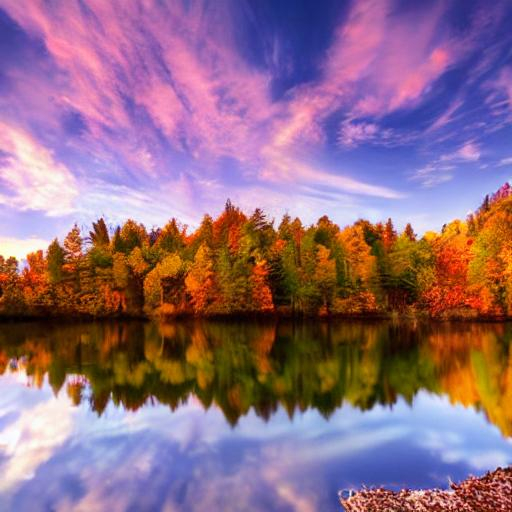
492	250
200	281
325	276
169	267
359	260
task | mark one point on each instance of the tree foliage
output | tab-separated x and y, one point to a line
243	264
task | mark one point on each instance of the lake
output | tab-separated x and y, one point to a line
199	415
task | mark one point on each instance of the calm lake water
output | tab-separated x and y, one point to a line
245	416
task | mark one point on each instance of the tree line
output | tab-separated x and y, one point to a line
246	264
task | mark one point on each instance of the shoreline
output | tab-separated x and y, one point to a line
272	316
491	492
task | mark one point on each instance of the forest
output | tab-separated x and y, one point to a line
238	264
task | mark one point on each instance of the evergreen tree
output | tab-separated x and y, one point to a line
132	235
409	232
55	258
389	235
73	246
172	237
99	235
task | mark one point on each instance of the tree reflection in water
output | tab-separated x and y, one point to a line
239	366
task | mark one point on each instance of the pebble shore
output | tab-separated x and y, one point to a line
489	493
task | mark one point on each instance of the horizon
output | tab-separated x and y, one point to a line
346	109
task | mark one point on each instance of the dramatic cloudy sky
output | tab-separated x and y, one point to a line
154	109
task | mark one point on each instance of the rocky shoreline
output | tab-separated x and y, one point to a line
489	493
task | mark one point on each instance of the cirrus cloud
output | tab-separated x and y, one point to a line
138	98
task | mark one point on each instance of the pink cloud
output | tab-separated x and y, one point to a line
416	82
469	152
357	43
353	50
351	134
400	74
198	91
504	83
34	179
281	167
208	102
192	83
369	71
446	117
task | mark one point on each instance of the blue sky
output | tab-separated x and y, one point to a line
158	109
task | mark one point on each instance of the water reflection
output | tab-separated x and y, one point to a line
242	367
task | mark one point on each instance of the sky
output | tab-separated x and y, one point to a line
193	460
158	109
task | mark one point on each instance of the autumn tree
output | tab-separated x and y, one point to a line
242	264
227	228
34	282
200	281
73	256
99	236
129	236
258	234
411	270
120	270
100	254
409	232
260	290
449	292
360	263
11	296
389	235
233	275
325	276
171	238
492	257
73	248
154	292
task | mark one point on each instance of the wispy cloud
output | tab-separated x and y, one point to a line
505	161
443	169
370	72
282	167
504	84
197	91
118	202
469	152
163	96
446	117
433	174
351	134
30	176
